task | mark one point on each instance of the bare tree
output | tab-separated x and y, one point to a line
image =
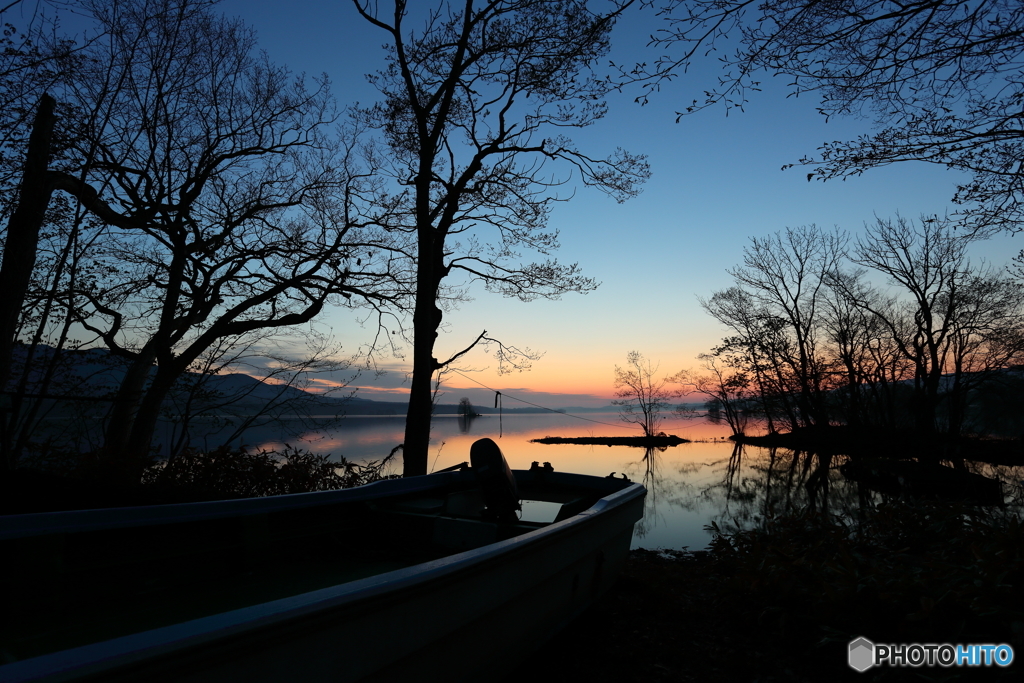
241	383
730	393
757	346
465	408
987	338
929	265
474	107
20	243
642	396
787	272
228	203
775	309
943	78
858	343
29	66
942	329
806	329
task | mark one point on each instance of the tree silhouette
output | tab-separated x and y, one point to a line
475	102
914	354
943	78
642	396
225	203
465	408
729	393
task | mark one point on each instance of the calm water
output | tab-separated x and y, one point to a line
689	486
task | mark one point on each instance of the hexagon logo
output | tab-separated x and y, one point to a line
862	654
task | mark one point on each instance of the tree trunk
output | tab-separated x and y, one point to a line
957	399
140	442
121	420
20	248
924	413
426	320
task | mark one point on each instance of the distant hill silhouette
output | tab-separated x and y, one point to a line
96	373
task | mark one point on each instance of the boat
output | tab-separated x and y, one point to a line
427	578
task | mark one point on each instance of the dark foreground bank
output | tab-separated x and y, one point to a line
781	603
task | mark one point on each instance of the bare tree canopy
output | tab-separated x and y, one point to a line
944	80
222	198
476	99
642	396
915	355
956	322
729	392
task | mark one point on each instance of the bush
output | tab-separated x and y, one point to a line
239	473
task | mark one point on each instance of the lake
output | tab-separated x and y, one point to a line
690	486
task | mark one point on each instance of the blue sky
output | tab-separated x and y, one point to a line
716	182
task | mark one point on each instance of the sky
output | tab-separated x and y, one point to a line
716	182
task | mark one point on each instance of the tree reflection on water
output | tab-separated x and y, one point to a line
782	482
646	471
756	484
466	422
747	486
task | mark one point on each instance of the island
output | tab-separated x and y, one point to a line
658	441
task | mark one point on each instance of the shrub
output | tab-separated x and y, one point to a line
240	473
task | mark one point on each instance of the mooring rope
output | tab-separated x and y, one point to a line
497	404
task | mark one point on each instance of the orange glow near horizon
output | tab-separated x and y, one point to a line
319	384
576	377
400	392
564	380
538	391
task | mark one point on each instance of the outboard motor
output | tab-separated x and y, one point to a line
501	495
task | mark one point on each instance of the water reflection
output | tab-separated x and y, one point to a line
758	483
466	422
761	483
741	488
753	484
689	486
645	471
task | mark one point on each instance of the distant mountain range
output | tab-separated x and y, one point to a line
96	373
